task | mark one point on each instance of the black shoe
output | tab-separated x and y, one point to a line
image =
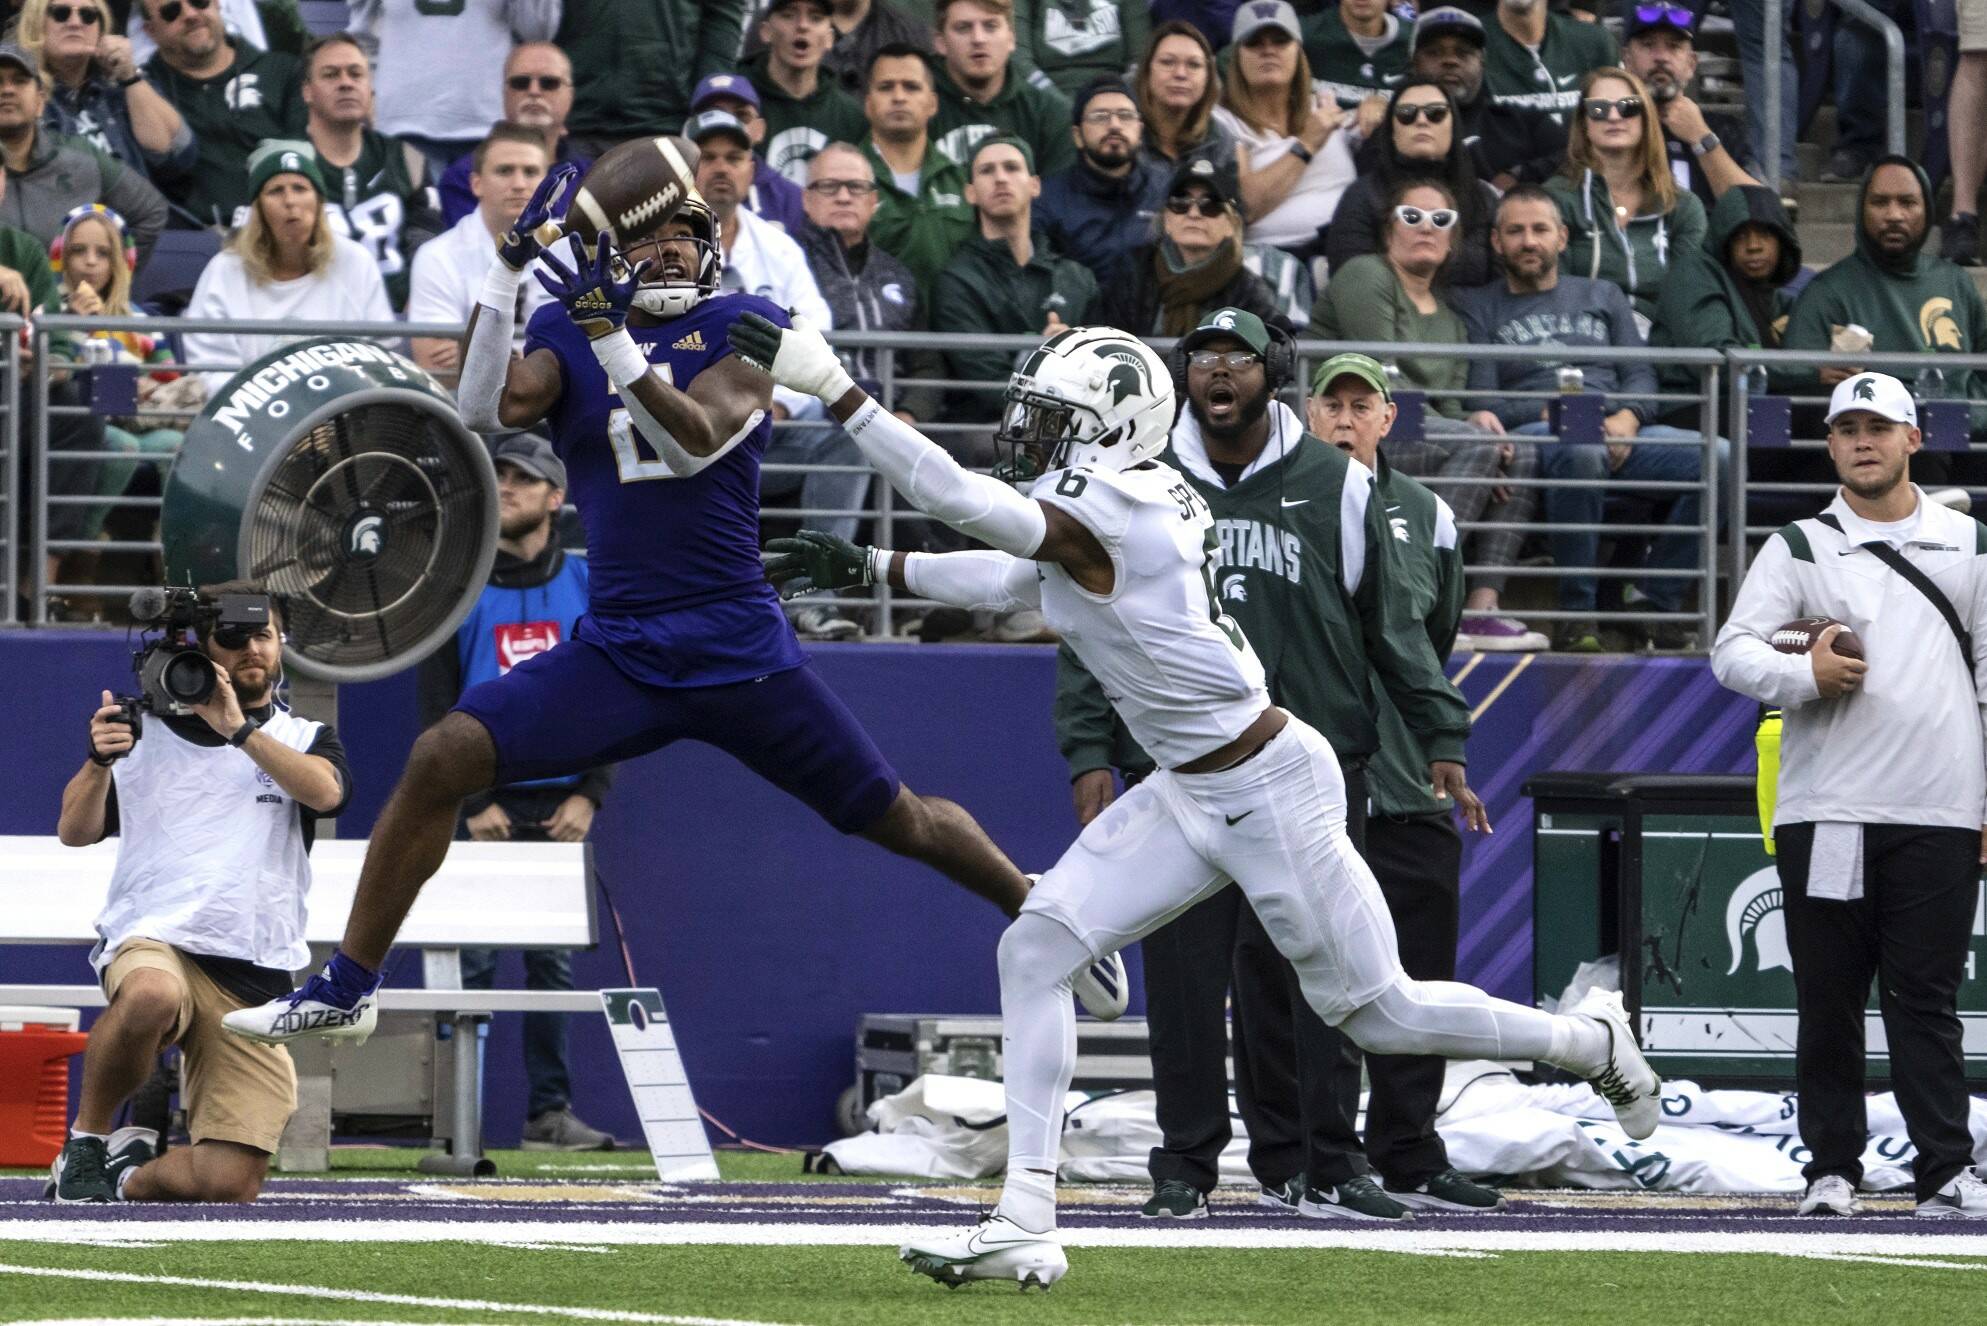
1669	637
81	1173
1448	1191
1290	1197
1959	239
1846	165
1358	1198
1175	1199
1576	637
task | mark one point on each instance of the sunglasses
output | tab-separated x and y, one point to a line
1434	112
531	82
829	188
170	11
1440	218
1627	108
87	15
1181	204
1673	15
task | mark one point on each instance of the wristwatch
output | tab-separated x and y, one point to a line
243	733
1301	152
1705	145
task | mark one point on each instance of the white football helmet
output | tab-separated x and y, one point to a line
671	299
1089	396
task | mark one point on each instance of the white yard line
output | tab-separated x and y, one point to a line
1900	1238
367	1296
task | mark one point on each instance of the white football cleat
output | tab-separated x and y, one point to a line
1103	989
295	1016
1626	1082
994	1249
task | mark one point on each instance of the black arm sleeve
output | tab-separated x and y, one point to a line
593	784
438	682
327	745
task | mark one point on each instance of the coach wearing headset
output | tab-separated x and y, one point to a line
1307	564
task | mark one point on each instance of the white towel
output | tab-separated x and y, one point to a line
1835	866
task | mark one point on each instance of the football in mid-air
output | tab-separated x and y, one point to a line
1799	636
632	190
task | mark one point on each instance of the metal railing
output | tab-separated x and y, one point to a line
1776	36
1722	489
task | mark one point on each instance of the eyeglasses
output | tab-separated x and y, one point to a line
1434	112
531	82
1228	359
1440	218
1673	15
170	11
829	188
87	15
1180	204
1104	117
1628	108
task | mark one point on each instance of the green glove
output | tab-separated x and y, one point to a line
812	560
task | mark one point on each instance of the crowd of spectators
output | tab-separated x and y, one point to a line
1518	173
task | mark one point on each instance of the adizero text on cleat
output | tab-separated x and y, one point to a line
298	1015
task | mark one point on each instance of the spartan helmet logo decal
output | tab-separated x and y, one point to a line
1235	587
1755	908
1937	326
1128	374
1865	389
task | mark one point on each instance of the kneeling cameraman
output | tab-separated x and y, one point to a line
215	812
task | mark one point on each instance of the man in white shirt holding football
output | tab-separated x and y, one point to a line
1118	553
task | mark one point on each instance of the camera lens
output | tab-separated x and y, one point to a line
187	677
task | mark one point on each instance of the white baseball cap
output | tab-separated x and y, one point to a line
1879	393
1255	15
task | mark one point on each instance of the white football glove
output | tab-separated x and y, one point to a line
799	358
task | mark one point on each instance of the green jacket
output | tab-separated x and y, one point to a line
1703	303
637	61
1428	578
1636	257
798	127
29	256
1344	67
922	232
258	96
1547	82
983	290
1281	576
1365	302
1039	117
1071	42
1919	303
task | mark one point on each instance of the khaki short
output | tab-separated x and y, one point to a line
234	1090
1973	25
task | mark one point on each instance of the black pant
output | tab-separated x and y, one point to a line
1911	928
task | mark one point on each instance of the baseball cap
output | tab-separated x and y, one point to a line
699	127
1256	15
1879	393
724	85
1364	367
1002	140
1205	173
1244	326
20	59
1649	17
532	454
1435	22
283	156
1095	88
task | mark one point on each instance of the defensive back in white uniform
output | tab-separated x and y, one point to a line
1114	551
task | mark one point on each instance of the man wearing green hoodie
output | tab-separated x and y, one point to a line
1908	300
804	110
922	215
983	89
1072	43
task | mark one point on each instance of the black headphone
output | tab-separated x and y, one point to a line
1279	362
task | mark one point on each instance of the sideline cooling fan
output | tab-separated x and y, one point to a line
341	475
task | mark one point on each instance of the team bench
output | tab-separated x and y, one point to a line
486	895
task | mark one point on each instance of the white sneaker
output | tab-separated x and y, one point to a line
994	1249
1965	1198
298	1015
1626	1082
1103	989
1831	1195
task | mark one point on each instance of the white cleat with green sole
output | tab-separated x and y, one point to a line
994	1249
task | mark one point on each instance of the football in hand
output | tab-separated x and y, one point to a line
632	190
1799	636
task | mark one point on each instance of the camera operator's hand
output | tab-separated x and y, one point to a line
110	737
490	825
222	711
570	822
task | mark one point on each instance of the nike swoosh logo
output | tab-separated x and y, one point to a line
1393	508
1296	502
1234	820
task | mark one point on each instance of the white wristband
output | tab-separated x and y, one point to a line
500	286
877	568
621	357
